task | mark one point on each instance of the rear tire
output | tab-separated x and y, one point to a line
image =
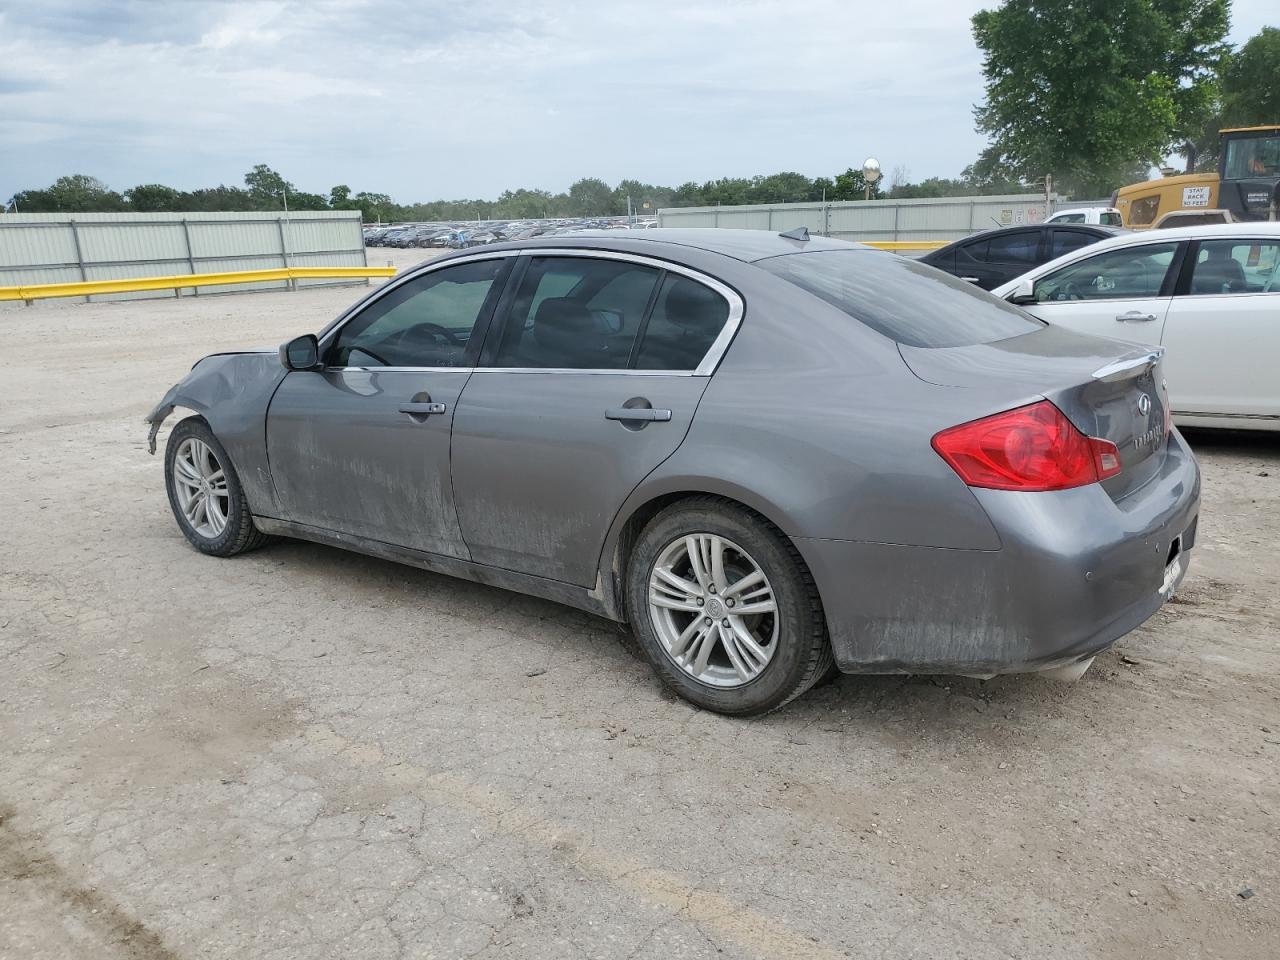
724	608
205	493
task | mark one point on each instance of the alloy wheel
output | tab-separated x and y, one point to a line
201	487
713	610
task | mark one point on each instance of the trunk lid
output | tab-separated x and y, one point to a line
1107	388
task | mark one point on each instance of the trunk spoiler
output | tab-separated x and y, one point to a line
1128	367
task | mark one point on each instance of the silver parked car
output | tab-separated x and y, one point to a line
768	454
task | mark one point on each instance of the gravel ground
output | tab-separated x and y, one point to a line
305	753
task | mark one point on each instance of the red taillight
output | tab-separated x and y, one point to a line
1031	448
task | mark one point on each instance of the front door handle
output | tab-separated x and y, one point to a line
634	414
423	410
971	279
1135	316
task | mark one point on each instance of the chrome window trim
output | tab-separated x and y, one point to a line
707	366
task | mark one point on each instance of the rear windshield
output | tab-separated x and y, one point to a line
909	302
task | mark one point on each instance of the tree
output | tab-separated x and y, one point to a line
340	197
1251	82
688	194
267	189
1086	89
852	185
77	193
220	197
152	198
523	204
590	197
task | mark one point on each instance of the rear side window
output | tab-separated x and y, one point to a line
1014	248
1236	266
904	300
576	313
1064	241
581	313
685	321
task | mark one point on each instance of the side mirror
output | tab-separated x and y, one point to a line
1023	293
301	353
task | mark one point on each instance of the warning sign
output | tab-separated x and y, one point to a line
1195	196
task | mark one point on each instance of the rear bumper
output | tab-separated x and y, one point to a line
1076	571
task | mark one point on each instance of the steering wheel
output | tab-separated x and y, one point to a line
1068	292
437	331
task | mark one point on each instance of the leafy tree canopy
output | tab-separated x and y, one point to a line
1088	89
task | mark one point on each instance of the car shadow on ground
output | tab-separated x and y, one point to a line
886	707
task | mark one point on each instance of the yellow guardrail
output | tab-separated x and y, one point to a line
85	288
905	244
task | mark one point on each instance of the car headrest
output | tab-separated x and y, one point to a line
691	305
1218	276
566	325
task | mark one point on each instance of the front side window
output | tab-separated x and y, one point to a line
425	322
1110	218
1014	247
581	313
1236	266
1124	274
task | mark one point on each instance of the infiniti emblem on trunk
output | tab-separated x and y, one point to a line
1144	404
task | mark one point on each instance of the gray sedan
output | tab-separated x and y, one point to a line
772	456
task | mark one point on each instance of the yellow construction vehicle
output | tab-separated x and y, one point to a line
1246	186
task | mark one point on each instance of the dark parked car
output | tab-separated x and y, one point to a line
764	452
993	257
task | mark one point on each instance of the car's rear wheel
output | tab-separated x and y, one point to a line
724	608
205	493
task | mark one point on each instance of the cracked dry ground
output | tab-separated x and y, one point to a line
303	753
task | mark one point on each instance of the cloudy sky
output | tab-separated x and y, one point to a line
425	99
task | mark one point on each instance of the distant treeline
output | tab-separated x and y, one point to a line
265	189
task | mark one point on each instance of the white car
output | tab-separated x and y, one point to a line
1210	295
1101	216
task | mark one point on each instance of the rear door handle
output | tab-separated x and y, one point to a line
647	414
1135	316
421	409
970	279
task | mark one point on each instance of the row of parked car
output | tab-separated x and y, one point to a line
457	236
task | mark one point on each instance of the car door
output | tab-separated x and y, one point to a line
588	383
361	446
1219	330
1123	292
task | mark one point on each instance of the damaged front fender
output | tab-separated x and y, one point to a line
232	392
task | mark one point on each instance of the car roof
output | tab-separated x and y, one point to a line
745	245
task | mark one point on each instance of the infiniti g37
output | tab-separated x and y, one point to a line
772	456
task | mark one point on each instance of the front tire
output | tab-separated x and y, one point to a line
724	608
205	493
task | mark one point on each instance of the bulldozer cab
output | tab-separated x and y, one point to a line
1249	172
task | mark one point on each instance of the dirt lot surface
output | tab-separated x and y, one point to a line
303	753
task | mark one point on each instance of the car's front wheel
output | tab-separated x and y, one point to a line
724	608
205	493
